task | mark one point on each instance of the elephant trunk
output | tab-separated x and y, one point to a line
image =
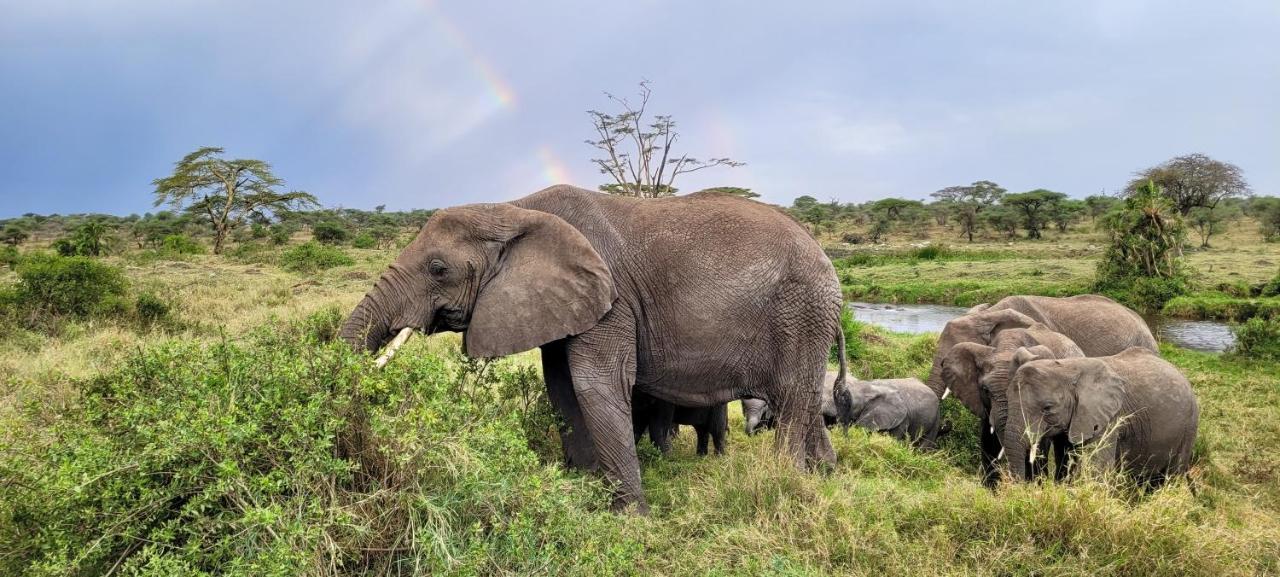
1017	447
367	327
370	325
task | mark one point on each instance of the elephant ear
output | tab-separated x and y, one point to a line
965	362
1099	392
978	308
1025	355
988	323
885	410
549	284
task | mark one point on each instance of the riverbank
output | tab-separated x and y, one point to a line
1227	280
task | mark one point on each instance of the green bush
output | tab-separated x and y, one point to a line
283	456
1271	288
364	240
329	232
313	256
181	244
9	256
58	286
1143	265
281	233
152	311
1258	338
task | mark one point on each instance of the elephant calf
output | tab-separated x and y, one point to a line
662	421
1133	412
903	408
758	415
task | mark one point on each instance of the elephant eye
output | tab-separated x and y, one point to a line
437	268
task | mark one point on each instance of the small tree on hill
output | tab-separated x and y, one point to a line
1098	205
14	235
226	192
638	153
968	202
1193	180
1210	221
1035	207
1065	212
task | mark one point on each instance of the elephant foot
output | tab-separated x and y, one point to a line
630	505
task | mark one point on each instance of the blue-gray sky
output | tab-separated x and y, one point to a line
414	103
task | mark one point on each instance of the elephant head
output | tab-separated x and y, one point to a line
869	406
757	414
510	278
1080	396
979	327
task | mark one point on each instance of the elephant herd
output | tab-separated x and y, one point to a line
655	313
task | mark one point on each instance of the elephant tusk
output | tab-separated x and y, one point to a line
395	343
1031	456
946	393
999	455
992	430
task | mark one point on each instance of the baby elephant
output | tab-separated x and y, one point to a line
1134	411
757	414
903	408
662	420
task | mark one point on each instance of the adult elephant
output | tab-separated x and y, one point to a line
696	300
1099	325
979	377
1133	412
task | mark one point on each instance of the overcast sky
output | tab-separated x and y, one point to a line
419	104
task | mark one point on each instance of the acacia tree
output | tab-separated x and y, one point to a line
968	202
733	190
227	192
1193	180
638	153
1210	221
1035	207
1098	204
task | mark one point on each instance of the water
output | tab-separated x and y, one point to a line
1209	336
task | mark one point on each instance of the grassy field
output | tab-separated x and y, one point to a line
1060	264
222	446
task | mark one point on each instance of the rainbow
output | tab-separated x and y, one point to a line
498	89
553	170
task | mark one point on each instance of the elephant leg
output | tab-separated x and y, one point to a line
1059	448
800	428
704	438
719	427
660	428
575	437
990	449
603	365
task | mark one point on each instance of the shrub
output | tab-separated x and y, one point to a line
1143	265
281	233
9	256
152	311
364	240
329	232
1271	288
1258	338
181	244
57	286
312	256
92	238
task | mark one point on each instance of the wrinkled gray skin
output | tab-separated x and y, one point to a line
1097	324
662	421
904	408
696	300
759	415
1133	412
978	375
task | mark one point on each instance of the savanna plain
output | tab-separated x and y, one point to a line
226	432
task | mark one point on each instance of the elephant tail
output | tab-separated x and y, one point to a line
844	361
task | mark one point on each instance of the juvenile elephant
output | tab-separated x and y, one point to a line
696	300
1097	324
904	408
662	421
757	415
979	376
1132	412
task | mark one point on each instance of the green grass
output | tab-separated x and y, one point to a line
215	447
1222	307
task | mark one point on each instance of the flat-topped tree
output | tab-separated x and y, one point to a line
227	192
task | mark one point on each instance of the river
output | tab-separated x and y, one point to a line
1208	336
